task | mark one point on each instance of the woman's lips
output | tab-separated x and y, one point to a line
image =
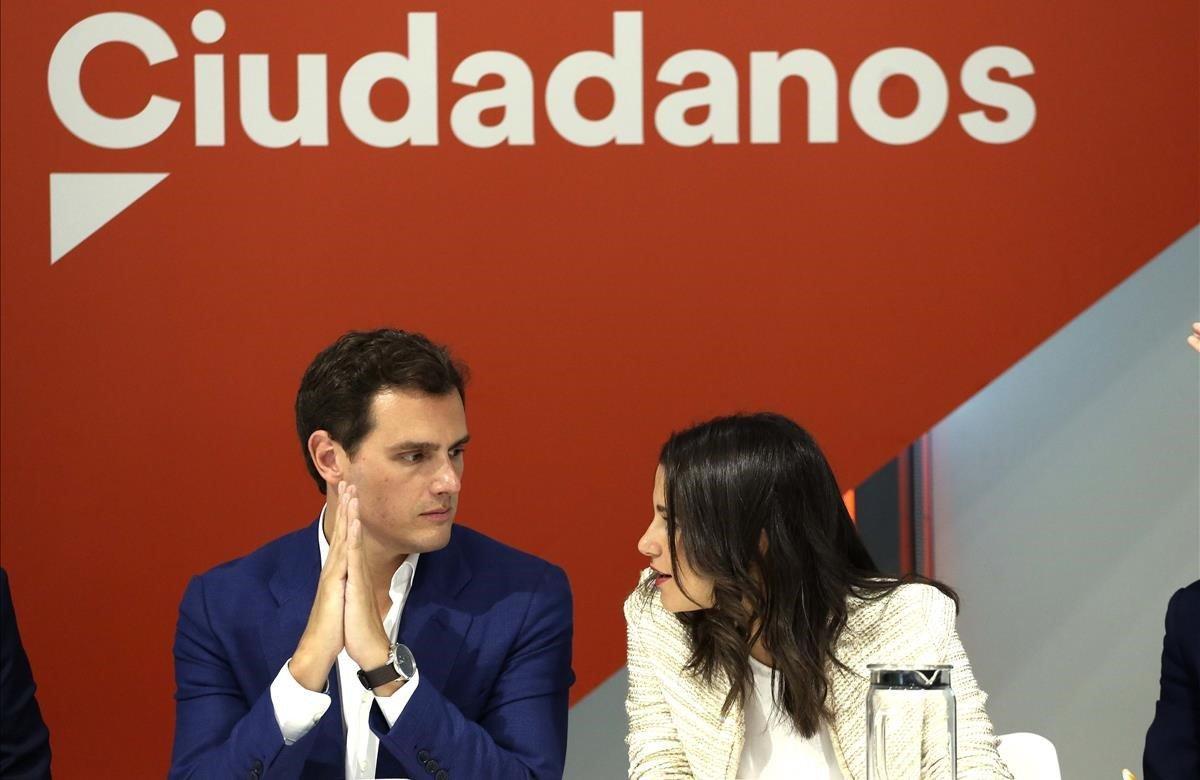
660	579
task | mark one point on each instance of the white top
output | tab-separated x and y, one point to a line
773	748
298	709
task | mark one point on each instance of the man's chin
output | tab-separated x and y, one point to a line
433	539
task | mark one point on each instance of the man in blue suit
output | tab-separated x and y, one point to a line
1173	740
24	739
381	640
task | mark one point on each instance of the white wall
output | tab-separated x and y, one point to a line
1066	501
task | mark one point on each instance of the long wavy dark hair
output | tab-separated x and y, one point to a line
757	509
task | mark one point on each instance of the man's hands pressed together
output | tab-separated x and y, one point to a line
344	612
496	650
366	641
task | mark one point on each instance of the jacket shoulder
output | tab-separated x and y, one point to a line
501	568
1187	599
1184	607
912	622
477	544
910	601
264	561
478	547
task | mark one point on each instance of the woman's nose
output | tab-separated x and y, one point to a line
648	545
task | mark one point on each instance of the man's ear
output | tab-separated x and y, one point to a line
328	456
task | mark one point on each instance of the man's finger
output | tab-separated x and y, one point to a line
354	527
337	540
352	546
336	531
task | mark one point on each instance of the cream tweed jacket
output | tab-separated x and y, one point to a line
675	724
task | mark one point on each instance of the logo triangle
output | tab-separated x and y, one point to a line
82	203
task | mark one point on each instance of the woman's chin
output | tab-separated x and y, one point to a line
676	602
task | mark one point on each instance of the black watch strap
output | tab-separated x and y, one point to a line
377	677
400	666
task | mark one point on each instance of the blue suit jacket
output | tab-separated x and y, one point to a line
24	740
1173	741
490	628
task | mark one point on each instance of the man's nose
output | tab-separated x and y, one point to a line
447	479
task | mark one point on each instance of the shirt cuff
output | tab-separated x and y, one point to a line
297	709
393	706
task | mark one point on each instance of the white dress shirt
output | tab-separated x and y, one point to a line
773	749
298	709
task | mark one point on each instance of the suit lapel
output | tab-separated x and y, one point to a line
695	706
731	735
432	626
856	647
847	732
294	586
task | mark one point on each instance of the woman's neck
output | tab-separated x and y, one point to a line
761	654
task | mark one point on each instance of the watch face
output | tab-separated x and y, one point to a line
405	663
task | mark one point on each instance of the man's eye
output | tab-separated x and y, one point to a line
457	452
412	457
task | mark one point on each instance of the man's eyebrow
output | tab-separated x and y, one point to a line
425	446
413	445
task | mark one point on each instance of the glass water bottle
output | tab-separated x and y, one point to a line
911	723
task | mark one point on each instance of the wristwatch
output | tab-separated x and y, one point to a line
400	666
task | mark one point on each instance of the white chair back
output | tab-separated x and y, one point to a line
1029	756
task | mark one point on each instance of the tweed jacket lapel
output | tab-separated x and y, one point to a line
914	625
723	747
713	744
874	633
848	700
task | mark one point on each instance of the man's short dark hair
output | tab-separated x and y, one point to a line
344	378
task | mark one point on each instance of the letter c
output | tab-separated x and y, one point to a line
66	95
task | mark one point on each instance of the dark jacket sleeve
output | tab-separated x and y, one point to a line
218	731
1173	741
24	739
523	732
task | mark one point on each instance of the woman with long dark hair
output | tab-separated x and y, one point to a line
750	633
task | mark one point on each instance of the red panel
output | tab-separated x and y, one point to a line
926	447
904	509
